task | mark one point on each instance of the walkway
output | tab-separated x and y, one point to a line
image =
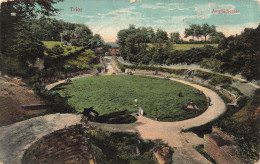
50	86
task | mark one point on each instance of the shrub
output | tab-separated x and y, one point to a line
57	50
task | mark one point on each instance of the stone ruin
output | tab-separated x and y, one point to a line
222	148
190	106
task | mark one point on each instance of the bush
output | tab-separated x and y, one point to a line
57	50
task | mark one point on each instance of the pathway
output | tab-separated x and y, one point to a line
50	86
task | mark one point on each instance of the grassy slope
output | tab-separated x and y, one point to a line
183	47
189	46
67	49
109	94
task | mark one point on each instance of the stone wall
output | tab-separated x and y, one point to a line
69	145
221	148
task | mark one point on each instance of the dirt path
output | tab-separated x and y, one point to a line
16	138
50	86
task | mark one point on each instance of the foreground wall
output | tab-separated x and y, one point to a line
69	145
221	148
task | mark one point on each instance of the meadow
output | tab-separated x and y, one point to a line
184	47
159	98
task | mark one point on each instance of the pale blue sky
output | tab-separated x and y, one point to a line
107	17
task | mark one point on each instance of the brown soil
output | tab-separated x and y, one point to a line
13	94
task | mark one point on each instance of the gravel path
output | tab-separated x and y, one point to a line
16	138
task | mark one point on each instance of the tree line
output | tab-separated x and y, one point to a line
235	54
25	24
146	46
205	30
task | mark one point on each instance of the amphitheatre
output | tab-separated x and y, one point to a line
171	133
119	82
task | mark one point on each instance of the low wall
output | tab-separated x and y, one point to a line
69	145
223	135
50	80
221	148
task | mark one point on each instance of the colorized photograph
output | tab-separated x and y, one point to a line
129	82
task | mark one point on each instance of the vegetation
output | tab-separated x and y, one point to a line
242	123
235	54
196	30
144	46
24	28
214	78
184	47
240	54
54	46
109	94
122	148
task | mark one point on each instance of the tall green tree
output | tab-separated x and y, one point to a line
194	30
216	37
207	30
161	36
175	37
17	41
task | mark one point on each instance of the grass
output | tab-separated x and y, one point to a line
67	49
108	94
184	47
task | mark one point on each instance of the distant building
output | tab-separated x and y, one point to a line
100	51
114	51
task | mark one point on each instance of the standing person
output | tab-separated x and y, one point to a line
209	101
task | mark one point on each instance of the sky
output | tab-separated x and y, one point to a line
107	17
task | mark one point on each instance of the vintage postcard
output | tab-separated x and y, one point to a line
129	81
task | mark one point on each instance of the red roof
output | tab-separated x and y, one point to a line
114	51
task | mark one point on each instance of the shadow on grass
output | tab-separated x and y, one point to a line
60	86
121	117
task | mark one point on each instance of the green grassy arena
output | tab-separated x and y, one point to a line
108	94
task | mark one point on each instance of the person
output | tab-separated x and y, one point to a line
209	100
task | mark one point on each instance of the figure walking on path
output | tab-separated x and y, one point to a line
209	101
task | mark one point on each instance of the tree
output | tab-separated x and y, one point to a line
240	54
194	30
208	30
17	41
175	37
216	37
161	36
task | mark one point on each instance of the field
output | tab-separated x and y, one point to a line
109	94
67	49
184	47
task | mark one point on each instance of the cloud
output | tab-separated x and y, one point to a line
76	15
147	6
123	11
161	6
205	11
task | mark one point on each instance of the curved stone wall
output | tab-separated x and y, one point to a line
69	145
